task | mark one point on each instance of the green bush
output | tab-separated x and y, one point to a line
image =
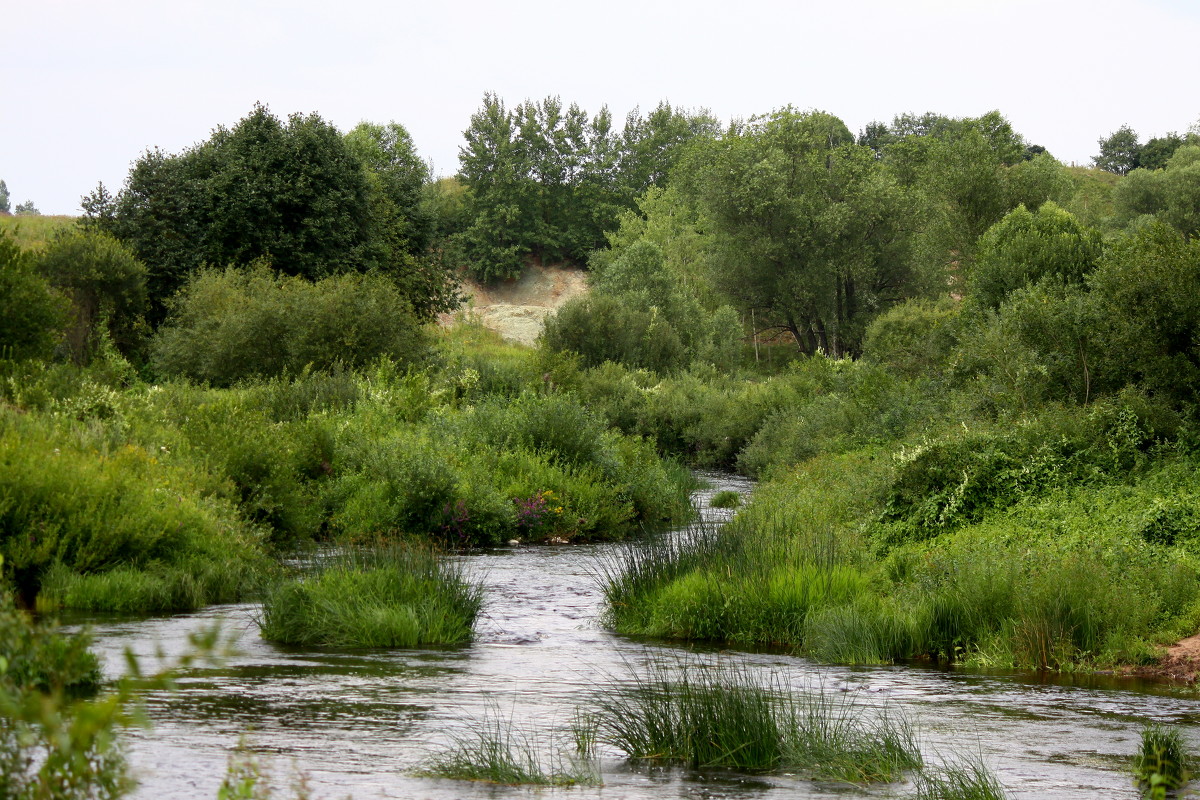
229	325
106	285
64	505
55	743
32	315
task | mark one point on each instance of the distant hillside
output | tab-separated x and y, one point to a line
518	309
32	232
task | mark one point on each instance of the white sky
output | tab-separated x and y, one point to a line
88	86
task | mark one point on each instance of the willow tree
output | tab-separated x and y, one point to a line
810	230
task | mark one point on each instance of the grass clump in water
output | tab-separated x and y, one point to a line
1162	764
395	596
726	498
727	717
499	752
968	779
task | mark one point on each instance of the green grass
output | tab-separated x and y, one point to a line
965	779
728	716
497	751
74	505
33	232
395	596
726	498
1163	763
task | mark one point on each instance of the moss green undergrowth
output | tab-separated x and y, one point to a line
121	495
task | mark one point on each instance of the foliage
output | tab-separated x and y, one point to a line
54	740
106	285
1028	246
229	325
810	231
32	314
396	596
545	182
1147	295
73	506
291	192
1119	151
1170	194
637	315
914	338
26	209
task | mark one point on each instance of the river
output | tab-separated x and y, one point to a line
361	723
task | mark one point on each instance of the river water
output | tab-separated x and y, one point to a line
361	723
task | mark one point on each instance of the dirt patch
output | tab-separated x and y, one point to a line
517	310
1180	662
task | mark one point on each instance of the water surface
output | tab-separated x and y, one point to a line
360	723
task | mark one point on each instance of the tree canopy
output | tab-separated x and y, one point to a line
295	193
810	230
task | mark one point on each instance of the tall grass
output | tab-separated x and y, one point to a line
498	751
743	583
394	596
75	505
1163	764
964	779
729	716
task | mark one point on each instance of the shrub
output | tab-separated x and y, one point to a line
32	315
65	506
913	338
54	740
106	285
396	596
228	325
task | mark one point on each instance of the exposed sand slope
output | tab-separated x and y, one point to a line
517	309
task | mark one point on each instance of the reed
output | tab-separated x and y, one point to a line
965	779
1162	763
498	751
727	716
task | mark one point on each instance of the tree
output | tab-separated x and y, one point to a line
1171	194
1155	153
1119	152
27	209
106	285
32	314
965	174
1148	292
396	173
291	192
546	182
4	201
810	232
1027	246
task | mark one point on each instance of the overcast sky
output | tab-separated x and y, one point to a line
88	86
